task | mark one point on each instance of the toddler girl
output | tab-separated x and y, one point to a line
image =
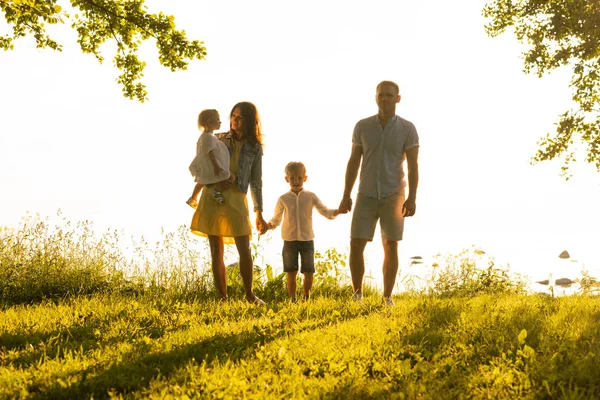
211	164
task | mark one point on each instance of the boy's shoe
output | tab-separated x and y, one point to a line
357	297
387	301
192	203
217	196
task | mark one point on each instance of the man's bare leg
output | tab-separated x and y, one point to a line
357	263
390	266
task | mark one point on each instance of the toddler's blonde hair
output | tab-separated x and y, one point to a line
205	116
294	166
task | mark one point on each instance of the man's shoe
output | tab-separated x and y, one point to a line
387	301
357	297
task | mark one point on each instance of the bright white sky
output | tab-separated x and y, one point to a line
69	140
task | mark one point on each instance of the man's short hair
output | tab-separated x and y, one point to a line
294	166
394	84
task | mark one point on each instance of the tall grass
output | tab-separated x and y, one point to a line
52	260
44	260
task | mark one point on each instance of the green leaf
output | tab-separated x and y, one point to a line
522	336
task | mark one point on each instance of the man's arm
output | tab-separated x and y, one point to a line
410	205
351	174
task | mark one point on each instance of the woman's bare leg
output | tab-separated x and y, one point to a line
218	265
246	268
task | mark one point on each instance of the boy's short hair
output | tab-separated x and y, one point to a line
294	166
204	116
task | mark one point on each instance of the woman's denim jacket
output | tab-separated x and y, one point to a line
249	168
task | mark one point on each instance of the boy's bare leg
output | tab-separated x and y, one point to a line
291	284
308	282
357	263
390	266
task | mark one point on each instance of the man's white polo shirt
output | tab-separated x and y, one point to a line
297	222
381	173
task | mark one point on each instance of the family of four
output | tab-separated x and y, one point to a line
229	164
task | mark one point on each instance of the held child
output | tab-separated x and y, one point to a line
211	164
296	208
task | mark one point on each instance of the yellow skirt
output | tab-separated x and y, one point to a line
227	220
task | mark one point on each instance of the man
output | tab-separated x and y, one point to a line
382	141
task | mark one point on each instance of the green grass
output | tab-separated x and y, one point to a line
79	319
486	346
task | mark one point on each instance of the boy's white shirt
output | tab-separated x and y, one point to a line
297	221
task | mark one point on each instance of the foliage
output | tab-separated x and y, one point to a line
50	260
588	285
463	275
487	346
37	262
559	33
127	23
330	272
44	260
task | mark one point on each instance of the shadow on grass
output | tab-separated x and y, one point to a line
81	337
432	330
139	368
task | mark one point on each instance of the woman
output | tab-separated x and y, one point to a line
230	222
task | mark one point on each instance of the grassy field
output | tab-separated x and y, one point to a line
486	346
79	319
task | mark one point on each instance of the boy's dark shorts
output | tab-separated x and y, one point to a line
294	248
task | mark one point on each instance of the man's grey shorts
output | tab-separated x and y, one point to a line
388	211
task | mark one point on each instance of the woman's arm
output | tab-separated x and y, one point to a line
256	181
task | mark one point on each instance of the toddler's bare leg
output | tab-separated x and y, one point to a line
196	191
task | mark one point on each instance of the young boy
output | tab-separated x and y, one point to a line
296	208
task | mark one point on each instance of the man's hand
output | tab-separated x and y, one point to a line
270	226
409	208
345	204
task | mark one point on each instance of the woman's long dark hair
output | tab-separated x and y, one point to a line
252	126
